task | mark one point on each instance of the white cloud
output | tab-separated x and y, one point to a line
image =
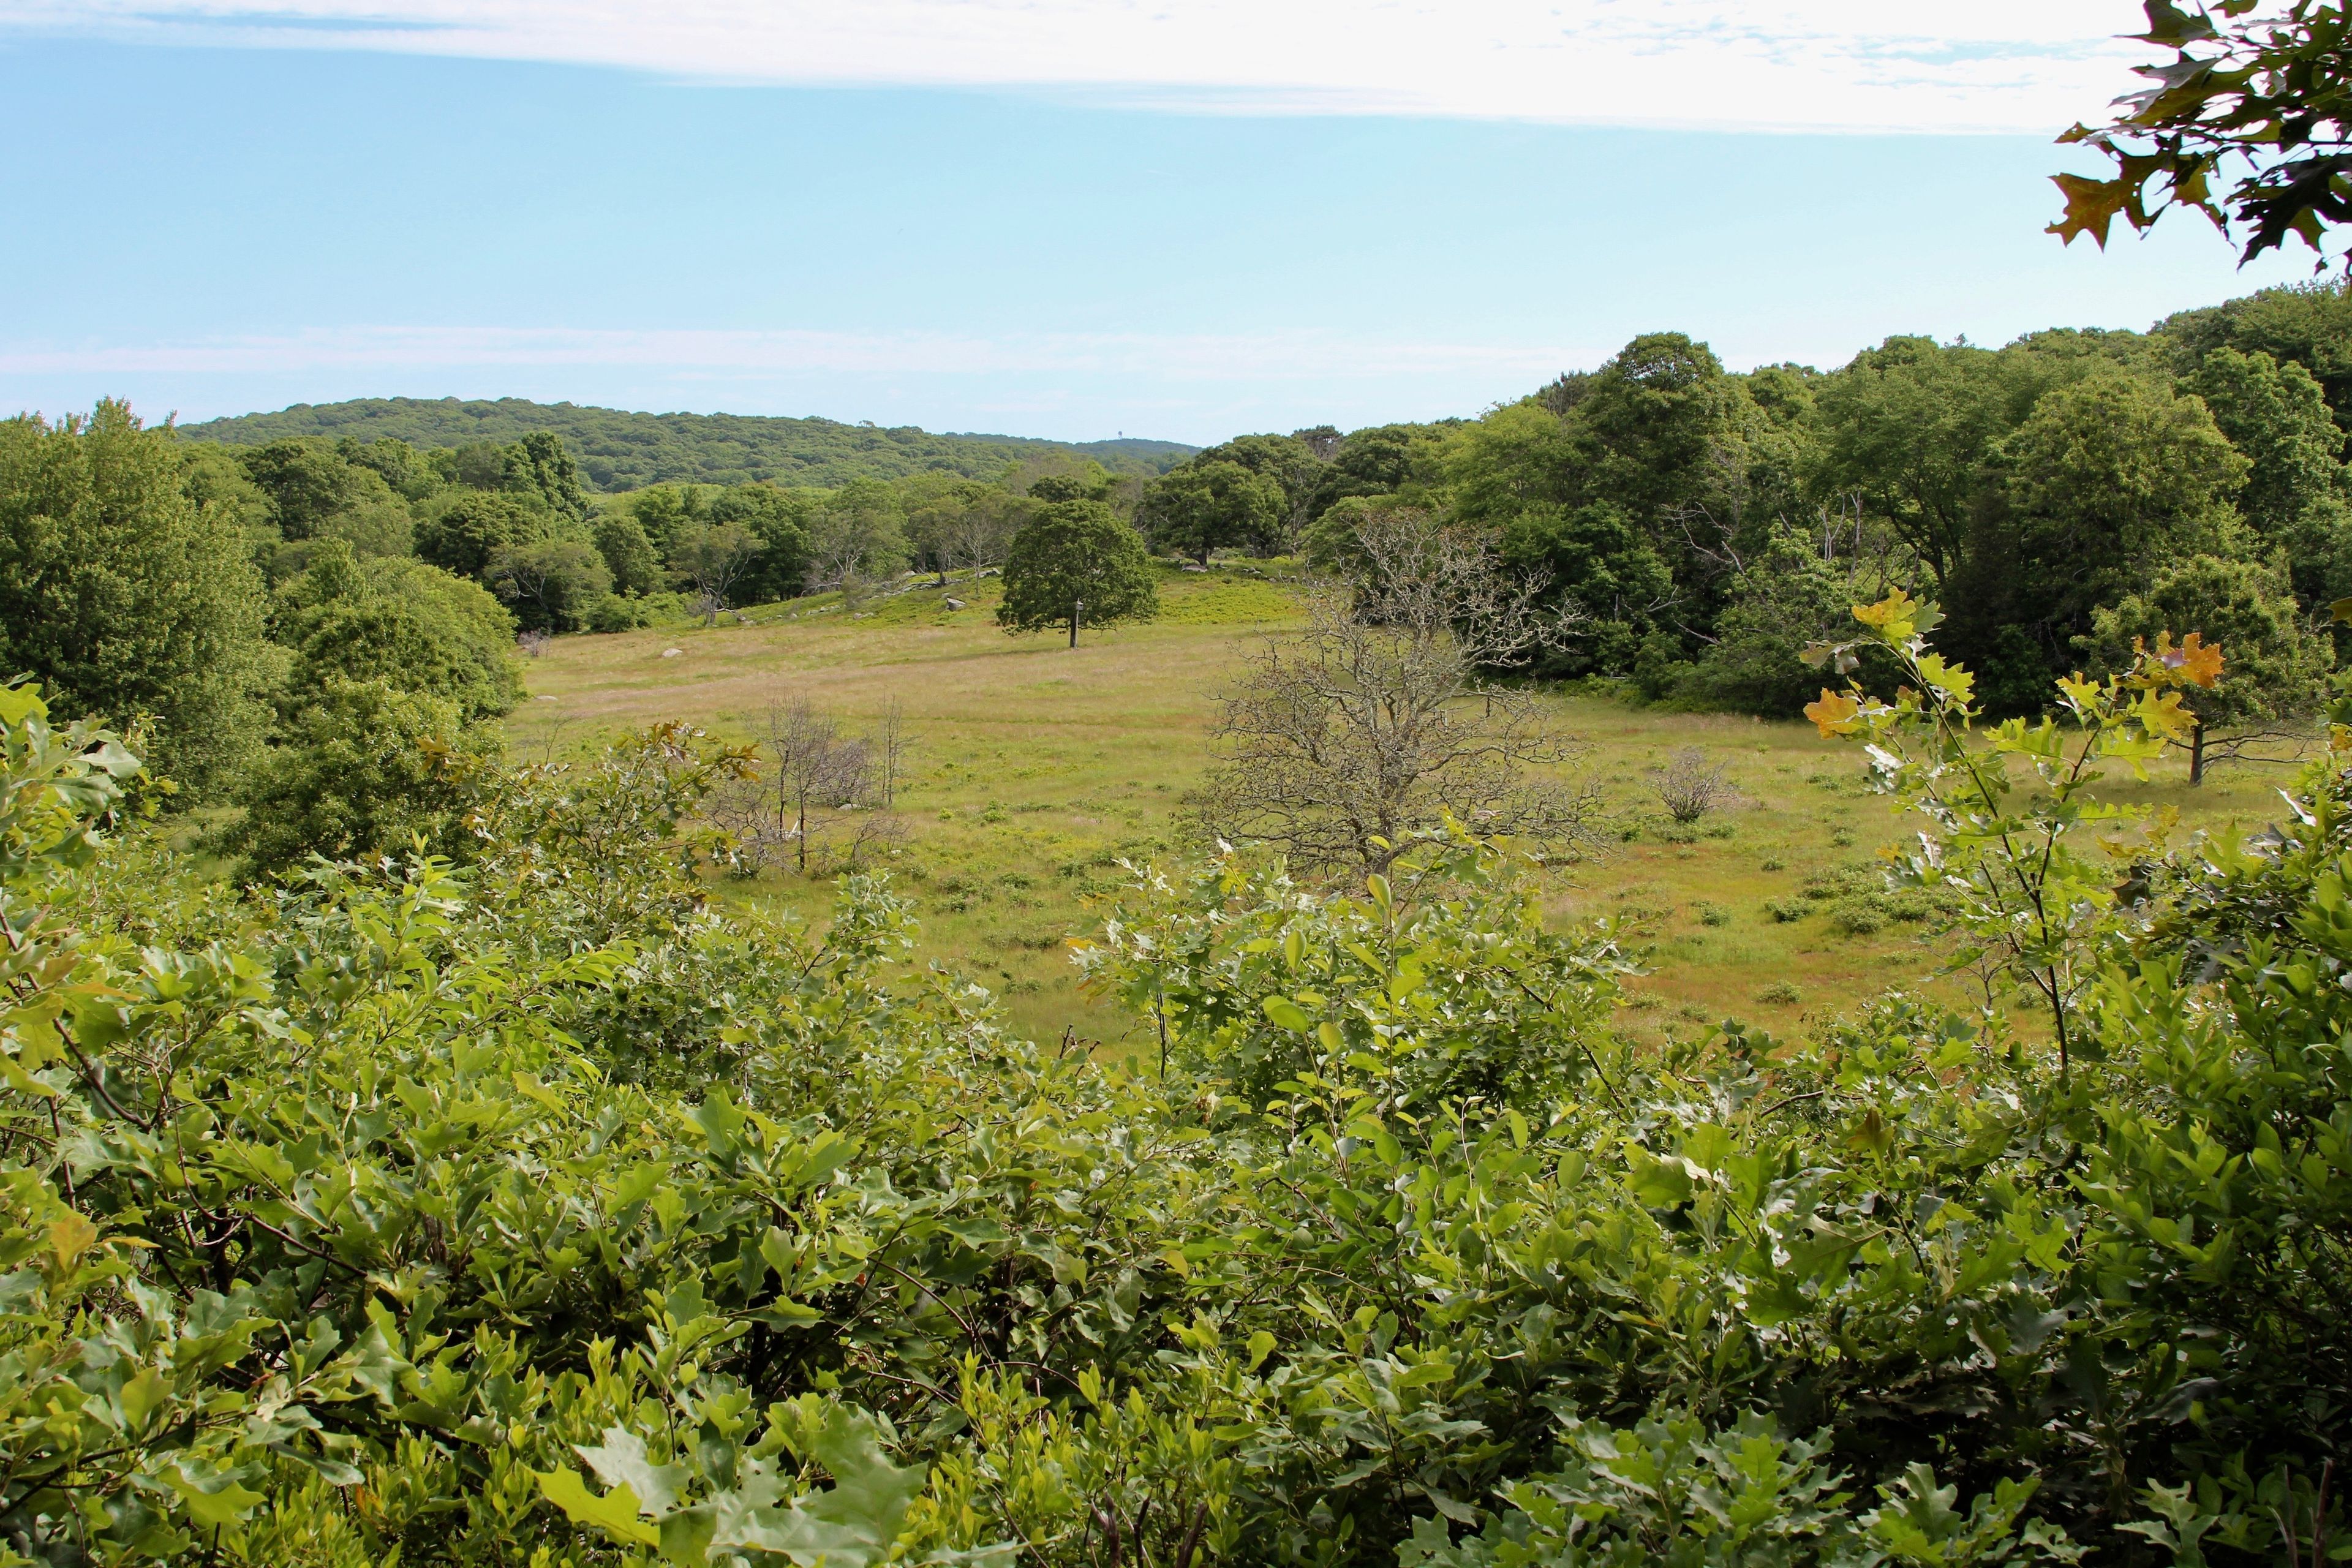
1837	65
1275	357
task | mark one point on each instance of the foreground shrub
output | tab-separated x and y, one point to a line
538	1210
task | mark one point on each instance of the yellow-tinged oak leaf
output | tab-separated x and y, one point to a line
2200	664
69	1237
2080	692
2160	713
1895	616
1833	715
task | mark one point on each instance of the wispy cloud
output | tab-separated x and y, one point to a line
739	355
1835	65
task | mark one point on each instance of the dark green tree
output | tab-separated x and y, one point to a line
1789	596
2275	665
1207	506
126	598
1907	432
2295	498
305	482
397	463
1384	459
778	521
541	460
553	584
2109	480
1290	461
2309	325
1076	564
464	532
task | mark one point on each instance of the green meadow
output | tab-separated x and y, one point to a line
1036	769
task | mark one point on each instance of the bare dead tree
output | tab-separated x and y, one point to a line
1689	786
818	797
891	745
1345	743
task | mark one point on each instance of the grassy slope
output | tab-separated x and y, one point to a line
1036	766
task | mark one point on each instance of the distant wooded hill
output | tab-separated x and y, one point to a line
623	451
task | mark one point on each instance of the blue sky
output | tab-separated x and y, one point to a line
205	220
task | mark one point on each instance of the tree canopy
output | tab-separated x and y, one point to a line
1073	553
623	451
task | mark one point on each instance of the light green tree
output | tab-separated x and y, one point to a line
404	624
126	598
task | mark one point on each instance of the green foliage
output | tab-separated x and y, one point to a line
2309	325
1207	505
1324	1009
1385	459
363	769
1789	596
554	584
463	531
411	626
1071	551
621	451
629	554
2276	665
778	523
305	483
544	1210
2111	478
2026	885
2295	498
126	598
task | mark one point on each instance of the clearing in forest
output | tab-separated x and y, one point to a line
1036	768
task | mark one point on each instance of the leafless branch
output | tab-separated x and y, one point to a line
1344	743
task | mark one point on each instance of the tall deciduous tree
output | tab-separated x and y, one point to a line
857	537
1217	505
1076	564
2110	480
126	598
629	555
708	559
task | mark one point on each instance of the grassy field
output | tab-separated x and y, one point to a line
1036	767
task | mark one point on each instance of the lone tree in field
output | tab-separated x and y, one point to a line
1345	742
1076	562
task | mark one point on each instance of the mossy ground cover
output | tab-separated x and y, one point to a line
1036	768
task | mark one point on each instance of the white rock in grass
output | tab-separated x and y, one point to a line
672	652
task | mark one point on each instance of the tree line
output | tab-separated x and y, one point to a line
624	451
2060	495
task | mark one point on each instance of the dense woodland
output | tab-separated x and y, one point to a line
406	1155
624	451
